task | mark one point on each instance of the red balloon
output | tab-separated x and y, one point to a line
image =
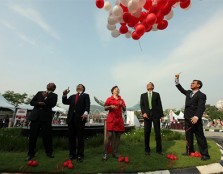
123	29
165	10
65	164
155	9
121	159
151	19
34	163
142	16
159	16
140	29
149	28
70	166
100	3
161	3
172	2
135	36
148	4
29	163
127	17
162	25
185	4
124	8
126	159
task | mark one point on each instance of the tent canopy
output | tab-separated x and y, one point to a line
25	106
5	104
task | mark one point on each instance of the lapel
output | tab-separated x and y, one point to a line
147	99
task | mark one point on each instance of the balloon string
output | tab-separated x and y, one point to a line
140	45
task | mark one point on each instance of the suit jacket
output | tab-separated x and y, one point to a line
157	109
43	113
82	105
194	106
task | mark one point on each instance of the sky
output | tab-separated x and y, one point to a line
67	42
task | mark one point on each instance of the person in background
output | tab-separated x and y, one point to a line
79	108
41	118
114	123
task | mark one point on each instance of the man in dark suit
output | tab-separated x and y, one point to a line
193	112
79	108
152	111
41	118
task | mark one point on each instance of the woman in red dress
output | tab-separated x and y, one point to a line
115	124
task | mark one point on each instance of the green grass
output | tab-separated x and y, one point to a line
132	145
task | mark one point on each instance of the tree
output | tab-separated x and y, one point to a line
15	98
213	112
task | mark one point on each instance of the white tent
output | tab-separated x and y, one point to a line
58	109
180	116
172	115
132	119
5	104
25	106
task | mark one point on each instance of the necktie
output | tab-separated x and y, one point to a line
150	101
76	98
191	94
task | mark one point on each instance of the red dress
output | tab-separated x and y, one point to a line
114	120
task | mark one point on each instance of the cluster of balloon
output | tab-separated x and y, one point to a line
171	157
123	159
32	163
196	154
68	164
136	17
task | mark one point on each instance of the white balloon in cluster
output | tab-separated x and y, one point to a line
111	27
107	6
169	15
154	28
124	2
112	20
137	13
117	10
128	35
115	33
132	6
142	3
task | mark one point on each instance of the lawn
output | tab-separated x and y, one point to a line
132	146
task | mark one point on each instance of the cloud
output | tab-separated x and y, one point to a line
199	56
35	17
19	34
101	22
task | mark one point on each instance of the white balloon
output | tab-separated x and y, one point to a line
117	10
154	28
107	6
142	3
111	27
132	6
177	4
117	2
112	20
120	19
137	13
115	33
169	15
128	35
124	2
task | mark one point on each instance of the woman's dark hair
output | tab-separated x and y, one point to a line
113	88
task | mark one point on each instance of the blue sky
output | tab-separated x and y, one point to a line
67	42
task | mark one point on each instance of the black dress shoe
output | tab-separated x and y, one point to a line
204	158
29	157
72	157
50	155
147	153
79	159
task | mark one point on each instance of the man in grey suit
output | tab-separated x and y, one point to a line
152	111
193	112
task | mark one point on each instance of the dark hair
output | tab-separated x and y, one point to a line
82	86
113	88
199	83
152	84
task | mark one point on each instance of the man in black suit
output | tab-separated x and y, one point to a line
194	109
79	108
152	111
41	118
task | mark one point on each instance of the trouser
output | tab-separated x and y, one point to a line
46	129
147	131
197	129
